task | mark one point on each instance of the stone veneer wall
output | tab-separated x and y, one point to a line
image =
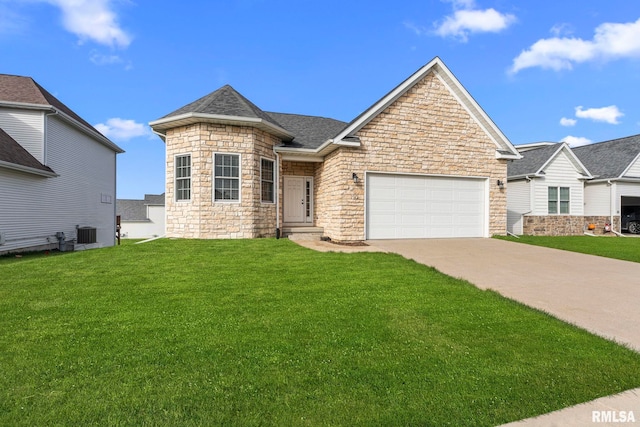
426	131
565	225
201	217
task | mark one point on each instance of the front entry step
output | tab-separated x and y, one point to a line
303	233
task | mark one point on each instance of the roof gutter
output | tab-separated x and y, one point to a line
27	169
528	177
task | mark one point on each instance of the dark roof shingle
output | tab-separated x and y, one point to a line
609	159
225	101
12	152
309	131
531	161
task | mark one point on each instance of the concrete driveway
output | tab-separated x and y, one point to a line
599	294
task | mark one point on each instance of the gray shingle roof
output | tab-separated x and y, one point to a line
136	210
532	161
609	159
12	152
309	131
225	101
25	90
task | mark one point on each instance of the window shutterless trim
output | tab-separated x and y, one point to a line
182	177
269	182
223	182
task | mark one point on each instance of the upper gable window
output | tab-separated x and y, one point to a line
226	177
267	174
183	177
559	198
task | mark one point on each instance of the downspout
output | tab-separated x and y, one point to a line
276	191
610	203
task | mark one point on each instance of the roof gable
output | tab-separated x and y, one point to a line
504	148
15	156
610	159
534	161
19	91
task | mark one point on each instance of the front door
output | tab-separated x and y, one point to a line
298	200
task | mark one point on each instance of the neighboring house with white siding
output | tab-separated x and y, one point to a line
57	173
141	219
557	190
545	191
615	187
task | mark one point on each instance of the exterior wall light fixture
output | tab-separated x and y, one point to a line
355	178
500	184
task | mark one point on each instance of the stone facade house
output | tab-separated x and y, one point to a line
424	161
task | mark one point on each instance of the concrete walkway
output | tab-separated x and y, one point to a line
599	294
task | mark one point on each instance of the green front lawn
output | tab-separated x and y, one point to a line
624	248
264	332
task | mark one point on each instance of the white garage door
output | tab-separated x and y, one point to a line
405	207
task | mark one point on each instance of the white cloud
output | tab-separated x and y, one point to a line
576	141
122	129
611	41
466	20
418	30
568	122
93	20
561	29
609	114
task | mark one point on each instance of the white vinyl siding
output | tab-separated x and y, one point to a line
27	128
154	227
518	204
34	208
561	172
408	206
597	199
634	170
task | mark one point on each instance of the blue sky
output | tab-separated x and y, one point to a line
542	70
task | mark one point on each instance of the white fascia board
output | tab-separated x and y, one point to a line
27	169
500	155
524	176
26	106
532	145
189	118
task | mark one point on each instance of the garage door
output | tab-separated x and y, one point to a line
404	207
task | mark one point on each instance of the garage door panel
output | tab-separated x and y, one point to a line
424	207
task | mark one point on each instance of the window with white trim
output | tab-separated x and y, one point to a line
559	198
226	177
183	177
267	174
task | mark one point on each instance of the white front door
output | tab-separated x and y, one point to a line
298	199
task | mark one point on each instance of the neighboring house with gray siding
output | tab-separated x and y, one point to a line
57	172
425	161
141	219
